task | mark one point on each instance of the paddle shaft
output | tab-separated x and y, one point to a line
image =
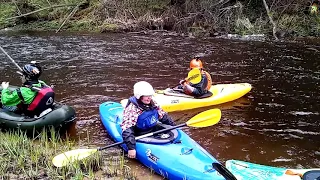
10	58
145	135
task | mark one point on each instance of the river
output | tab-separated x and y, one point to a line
276	124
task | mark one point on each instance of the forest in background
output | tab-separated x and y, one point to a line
199	17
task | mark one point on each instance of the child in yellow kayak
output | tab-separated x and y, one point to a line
200	89
141	115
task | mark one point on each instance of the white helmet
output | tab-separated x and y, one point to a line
142	88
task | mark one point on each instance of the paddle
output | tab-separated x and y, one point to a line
223	171
203	119
194	76
10	58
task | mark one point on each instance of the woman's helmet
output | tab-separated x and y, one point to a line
142	88
32	70
196	63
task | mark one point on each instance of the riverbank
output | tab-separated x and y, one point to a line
23	157
198	18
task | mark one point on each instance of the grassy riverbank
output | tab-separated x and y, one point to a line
197	17
23	157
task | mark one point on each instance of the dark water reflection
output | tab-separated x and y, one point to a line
276	124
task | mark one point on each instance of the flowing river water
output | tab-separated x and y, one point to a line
276	124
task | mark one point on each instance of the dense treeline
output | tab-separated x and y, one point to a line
200	17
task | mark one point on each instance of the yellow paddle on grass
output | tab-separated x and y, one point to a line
203	119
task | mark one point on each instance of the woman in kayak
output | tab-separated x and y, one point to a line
30	99
200	89
141	115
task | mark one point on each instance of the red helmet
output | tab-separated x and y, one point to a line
196	63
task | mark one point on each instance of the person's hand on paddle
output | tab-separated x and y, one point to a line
194	77
132	153
5	85
183	82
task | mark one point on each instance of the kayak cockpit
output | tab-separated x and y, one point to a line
176	92
161	138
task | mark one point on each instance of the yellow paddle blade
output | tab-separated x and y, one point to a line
194	76
205	119
74	155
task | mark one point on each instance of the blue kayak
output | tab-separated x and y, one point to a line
173	154
245	170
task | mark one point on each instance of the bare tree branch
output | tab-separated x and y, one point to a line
69	16
55	6
274	30
19	12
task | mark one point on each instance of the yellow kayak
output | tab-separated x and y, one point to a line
221	93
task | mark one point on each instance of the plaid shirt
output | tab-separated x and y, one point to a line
131	114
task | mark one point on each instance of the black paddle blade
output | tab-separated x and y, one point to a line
224	171
312	175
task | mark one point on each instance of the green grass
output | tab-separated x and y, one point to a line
82	25
6	10
23	157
